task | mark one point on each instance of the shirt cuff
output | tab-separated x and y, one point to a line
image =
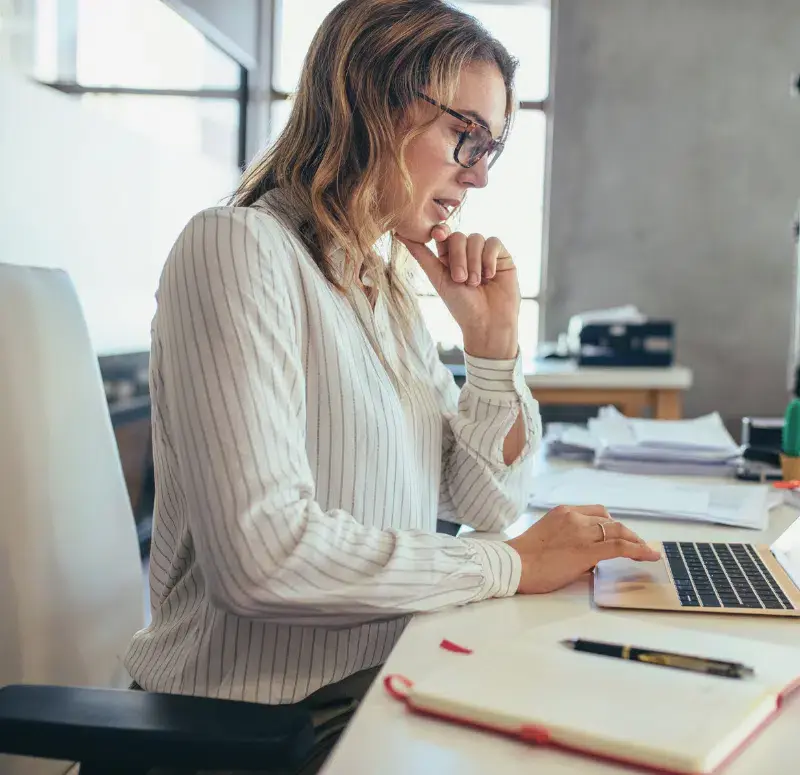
501	566
495	380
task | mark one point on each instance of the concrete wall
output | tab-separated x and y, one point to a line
675	177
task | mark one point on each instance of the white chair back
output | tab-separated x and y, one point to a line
71	590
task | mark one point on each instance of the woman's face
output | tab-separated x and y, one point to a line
435	175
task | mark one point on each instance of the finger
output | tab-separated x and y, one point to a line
491	252
619	547
457	256
440	233
475	243
618	530
437	273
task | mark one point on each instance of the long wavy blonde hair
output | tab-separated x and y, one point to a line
346	133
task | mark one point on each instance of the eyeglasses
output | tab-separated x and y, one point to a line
476	140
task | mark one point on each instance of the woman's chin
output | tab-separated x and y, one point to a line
417	231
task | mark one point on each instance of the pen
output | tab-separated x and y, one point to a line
662	658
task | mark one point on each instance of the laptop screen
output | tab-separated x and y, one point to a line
787	551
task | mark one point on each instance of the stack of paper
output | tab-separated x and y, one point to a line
698	447
701	446
569	442
641	496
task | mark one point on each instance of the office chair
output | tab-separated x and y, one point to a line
71	578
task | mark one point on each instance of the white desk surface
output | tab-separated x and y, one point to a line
385	738
566	374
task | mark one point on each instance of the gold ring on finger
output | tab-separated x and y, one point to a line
504	264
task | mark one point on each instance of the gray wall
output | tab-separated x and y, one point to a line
675	177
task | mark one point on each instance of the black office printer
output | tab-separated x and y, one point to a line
640	342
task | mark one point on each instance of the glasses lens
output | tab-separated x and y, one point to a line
476	145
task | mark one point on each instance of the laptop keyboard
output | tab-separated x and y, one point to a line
722	576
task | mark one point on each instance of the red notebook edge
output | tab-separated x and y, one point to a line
779	701
539	735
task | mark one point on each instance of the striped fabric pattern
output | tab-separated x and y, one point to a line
297	488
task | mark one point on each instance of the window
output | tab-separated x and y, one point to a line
145	66
295	25
205	126
18	34
511	207
524	29
146	45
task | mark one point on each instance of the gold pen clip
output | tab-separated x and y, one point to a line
667	660
695	663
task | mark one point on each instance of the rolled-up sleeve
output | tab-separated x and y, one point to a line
230	320
477	487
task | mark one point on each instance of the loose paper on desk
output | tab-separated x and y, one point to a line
632	495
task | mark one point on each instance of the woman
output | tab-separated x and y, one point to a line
306	436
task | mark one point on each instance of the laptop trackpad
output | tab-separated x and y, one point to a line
627	583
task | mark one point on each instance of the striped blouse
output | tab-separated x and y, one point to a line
297	489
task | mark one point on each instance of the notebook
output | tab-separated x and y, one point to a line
658	718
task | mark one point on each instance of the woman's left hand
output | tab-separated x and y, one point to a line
477	280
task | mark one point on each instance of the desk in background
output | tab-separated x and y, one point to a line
384	737
130	419
632	390
125	379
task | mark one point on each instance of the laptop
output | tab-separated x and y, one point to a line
721	578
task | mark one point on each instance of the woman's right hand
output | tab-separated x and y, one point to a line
568	541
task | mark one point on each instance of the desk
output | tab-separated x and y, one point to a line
385	738
130	419
632	390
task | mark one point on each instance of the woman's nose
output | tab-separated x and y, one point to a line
476	176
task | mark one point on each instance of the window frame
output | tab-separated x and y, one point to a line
67	83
